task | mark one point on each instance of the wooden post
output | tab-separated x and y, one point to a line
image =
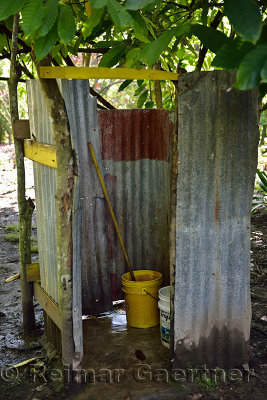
26	207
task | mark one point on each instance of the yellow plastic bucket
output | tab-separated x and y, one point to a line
141	298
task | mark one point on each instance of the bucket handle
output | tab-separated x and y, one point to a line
144	290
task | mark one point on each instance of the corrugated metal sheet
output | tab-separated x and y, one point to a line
45	189
133	150
217	145
82	114
135	147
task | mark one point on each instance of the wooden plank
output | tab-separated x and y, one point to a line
22	129
105	73
33	272
40	152
48	304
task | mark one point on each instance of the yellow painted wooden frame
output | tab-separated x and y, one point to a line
48	304
106	73
40	152
33	272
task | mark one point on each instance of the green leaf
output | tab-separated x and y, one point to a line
151	52
140	28
21	364
107	43
131	57
44	44
142	99
119	14
8	8
210	38
140	89
149	104
150	26
263	37
124	85
245	16
56	49
50	16
112	57
92	22
138	4
262	90
32	16
205	11
263	177
66	23
3	42
99	3
230	55
248	75
264	72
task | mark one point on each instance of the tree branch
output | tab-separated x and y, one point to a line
26	207
3	29
2	78
203	50
69	62
24	69
101	50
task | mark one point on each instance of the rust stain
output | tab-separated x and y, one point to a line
114	286
217	204
111	183
65	201
149	130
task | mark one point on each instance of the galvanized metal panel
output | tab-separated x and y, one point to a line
82	114
45	191
217	147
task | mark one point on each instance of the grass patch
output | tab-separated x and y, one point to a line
34	249
12	228
12	237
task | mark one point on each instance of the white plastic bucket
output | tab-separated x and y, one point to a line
164	306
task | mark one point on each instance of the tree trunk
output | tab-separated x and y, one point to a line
157	89
26	207
64	197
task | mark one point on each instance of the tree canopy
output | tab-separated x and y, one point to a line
179	35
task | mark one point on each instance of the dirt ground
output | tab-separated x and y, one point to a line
15	349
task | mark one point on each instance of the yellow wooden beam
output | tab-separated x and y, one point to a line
41	153
48	304
33	272
106	73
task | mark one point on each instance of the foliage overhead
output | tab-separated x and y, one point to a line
177	36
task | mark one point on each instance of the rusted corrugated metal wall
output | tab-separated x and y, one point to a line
133	150
217	147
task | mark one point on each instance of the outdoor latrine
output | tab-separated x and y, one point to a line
217	156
